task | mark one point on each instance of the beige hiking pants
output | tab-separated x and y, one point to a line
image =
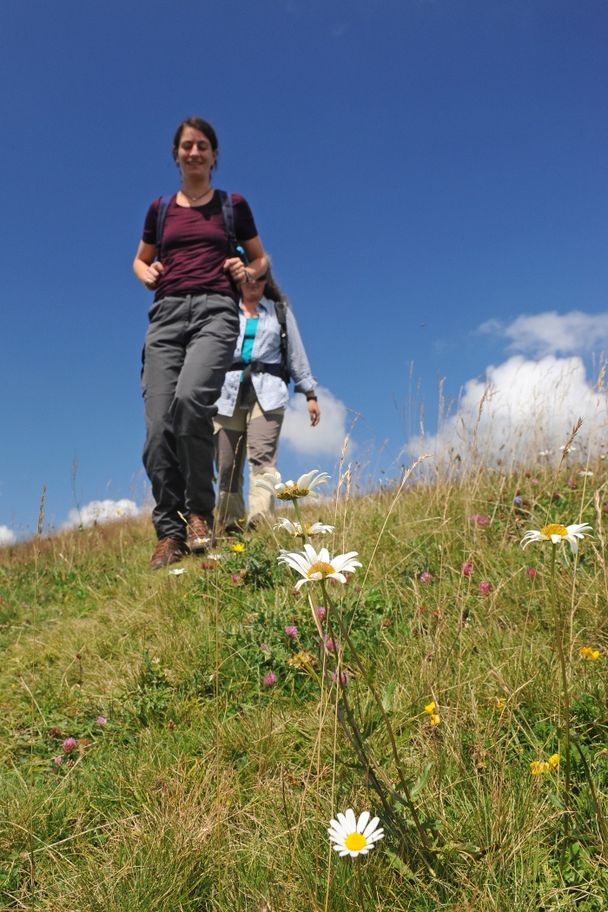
253	434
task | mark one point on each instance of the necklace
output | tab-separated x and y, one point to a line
193	199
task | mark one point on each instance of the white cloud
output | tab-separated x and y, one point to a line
522	407
327	439
552	333
7	536
101	511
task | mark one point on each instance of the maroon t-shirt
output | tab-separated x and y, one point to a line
195	246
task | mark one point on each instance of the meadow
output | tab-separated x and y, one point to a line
179	742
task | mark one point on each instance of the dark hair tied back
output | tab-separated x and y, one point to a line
197	123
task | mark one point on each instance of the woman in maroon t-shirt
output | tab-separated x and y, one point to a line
190	340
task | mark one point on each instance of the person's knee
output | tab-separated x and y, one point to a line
191	416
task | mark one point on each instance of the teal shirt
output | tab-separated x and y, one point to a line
251	327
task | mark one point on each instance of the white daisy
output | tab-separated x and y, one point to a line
295	528
354	837
556	533
317	566
290	490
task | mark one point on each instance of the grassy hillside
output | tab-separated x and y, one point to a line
167	746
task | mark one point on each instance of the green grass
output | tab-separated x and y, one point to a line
206	790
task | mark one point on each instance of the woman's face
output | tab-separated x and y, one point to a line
195	156
252	292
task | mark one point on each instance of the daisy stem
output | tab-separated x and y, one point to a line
296	508
387	725
601	820
565	708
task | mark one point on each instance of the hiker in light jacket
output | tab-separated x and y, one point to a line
254	396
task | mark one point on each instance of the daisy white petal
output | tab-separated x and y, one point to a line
354	837
369	826
313	565
319	529
346	562
288	526
295	528
362	821
296	560
338	577
290	490
557	534
351	820
270	481
311	480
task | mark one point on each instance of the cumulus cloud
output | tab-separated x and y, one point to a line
551	333
519	409
101	511
327	439
7	536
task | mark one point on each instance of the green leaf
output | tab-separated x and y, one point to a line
399	865
388	696
421	781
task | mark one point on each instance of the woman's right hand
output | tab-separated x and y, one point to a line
149	275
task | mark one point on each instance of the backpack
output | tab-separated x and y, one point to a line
234	248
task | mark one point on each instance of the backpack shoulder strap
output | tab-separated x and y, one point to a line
161	215
281	312
228	216
234	248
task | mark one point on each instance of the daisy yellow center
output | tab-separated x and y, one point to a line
354	842
554	529
320	567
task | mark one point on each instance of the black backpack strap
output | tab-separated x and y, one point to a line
234	248
281	312
161	215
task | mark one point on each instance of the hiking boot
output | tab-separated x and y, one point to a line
233	528
168	551
199	534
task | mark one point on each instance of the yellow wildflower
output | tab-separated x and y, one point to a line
238	547
434	719
301	659
591	655
430	707
500	702
553	761
538	767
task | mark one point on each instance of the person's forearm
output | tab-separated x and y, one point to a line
140	269
257	267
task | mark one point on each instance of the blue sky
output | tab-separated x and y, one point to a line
429	177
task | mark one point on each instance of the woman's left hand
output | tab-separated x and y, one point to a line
314	411
237	270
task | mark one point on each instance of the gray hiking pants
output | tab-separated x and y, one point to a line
189	346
